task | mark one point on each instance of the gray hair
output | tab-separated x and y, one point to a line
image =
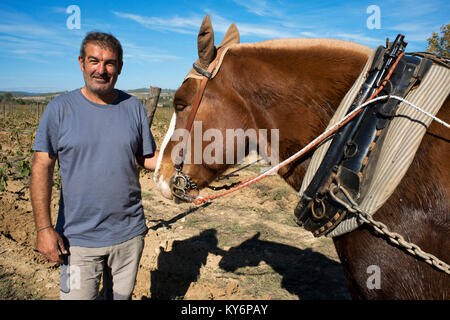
104	40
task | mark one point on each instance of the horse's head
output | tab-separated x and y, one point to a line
202	144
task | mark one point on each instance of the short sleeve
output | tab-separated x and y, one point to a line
46	139
148	142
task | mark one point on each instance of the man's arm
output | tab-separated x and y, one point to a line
148	162
48	240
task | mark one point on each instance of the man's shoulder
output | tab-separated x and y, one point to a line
131	103
68	94
61	99
128	98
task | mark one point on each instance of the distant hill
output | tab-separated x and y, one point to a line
22	94
146	90
18	93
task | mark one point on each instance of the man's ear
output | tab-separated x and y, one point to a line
80	60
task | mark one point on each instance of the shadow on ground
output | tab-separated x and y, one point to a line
305	273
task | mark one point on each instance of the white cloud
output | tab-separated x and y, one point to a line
21	29
174	24
147	56
135	53
265	31
406	27
191	25
310	34
360	38
260	7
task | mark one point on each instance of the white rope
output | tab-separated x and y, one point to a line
324	134
421	110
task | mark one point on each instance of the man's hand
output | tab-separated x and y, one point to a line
51	245
48	240
148	162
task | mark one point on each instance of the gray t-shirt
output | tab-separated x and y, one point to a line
96	146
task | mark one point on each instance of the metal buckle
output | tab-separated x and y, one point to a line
181	185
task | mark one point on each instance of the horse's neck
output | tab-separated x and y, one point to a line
297	93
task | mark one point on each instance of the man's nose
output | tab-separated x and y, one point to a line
101	68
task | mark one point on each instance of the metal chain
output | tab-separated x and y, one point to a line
383	229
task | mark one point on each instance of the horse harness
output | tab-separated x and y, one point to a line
181	184
349	161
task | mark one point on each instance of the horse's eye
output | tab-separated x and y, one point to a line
180	107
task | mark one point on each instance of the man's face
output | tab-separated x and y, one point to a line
100	68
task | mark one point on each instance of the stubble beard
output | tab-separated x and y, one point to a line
101	89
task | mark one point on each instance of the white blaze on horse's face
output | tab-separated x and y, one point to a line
162	183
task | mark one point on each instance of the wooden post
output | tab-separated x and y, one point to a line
152	103
4	111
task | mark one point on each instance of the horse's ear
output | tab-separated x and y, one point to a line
231	37
205	42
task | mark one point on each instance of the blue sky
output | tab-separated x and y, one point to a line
38	52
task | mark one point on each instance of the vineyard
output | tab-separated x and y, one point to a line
18	126
245	246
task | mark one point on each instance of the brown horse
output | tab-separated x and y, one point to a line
295	86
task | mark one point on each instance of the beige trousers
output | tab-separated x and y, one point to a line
81	273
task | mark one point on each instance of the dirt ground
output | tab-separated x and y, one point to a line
242	246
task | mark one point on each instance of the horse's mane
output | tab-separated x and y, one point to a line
305	43
302	62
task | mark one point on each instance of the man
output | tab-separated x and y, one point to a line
96	133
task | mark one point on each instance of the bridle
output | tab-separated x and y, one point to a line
181	184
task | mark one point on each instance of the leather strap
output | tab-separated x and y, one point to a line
196	104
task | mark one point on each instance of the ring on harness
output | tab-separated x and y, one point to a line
353	150
181	185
